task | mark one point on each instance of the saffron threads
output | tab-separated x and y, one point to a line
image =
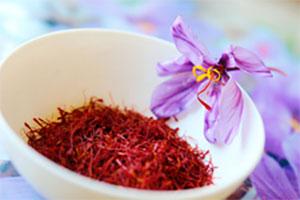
121	147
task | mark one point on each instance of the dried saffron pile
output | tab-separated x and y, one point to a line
120	146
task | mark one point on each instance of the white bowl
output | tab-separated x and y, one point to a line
63	68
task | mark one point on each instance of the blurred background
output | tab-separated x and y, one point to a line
221	20
271	28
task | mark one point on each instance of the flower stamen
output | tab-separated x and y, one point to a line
211	73
295	124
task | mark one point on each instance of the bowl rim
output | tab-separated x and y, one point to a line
107	188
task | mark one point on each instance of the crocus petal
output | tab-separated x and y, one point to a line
187	44
172	96
292	153
181	64
271	182
223	120
248	61
285	98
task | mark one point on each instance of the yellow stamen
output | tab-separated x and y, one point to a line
202	76
295	124
211	73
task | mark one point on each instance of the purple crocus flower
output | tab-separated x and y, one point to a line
196	75
279	179
280	109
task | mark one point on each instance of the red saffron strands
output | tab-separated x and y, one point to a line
121	147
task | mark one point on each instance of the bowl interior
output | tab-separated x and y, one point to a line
67	68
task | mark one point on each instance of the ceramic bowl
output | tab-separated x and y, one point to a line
64	68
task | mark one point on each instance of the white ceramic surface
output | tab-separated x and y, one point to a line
64	68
